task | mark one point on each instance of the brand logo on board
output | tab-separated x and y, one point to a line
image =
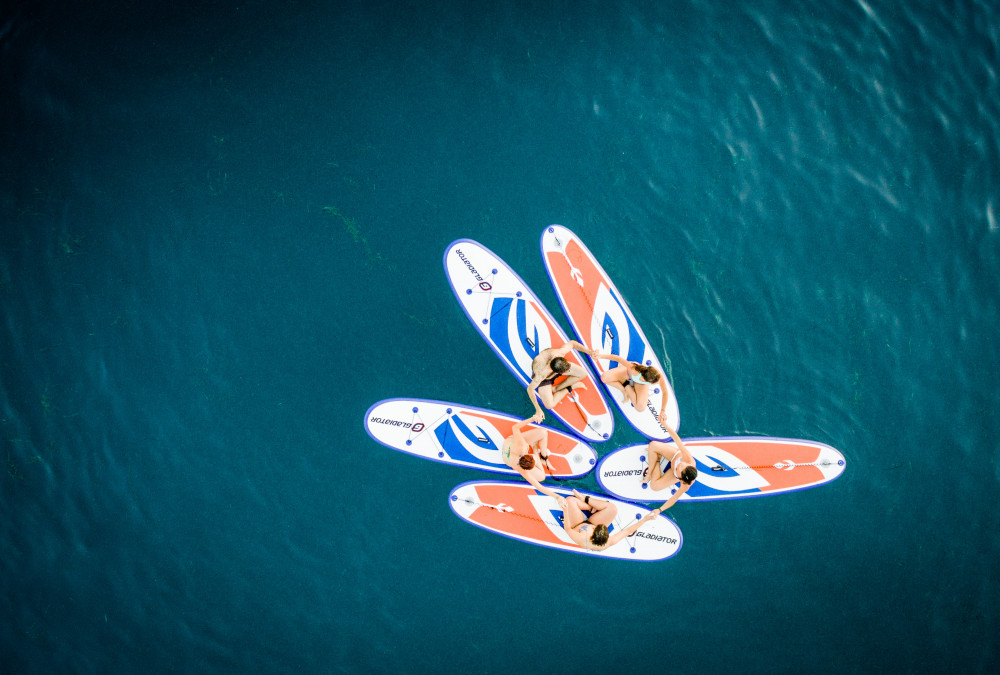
472	269
655	537
396	423
625	472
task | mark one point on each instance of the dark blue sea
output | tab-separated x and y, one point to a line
222	232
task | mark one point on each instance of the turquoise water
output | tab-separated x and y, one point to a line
222	235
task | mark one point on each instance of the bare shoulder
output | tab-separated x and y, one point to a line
547	354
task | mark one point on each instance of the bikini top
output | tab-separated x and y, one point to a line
673	464
508	442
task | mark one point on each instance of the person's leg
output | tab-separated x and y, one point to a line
641	395
615	376
602	512
616	379
614	382
574	375
655	451
573	513
561	394
545	396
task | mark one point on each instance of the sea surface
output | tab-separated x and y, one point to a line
221	233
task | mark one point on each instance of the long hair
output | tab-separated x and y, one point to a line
649	373
600	535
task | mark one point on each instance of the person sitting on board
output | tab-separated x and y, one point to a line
680	469
548	366
516	453
633	380
590	531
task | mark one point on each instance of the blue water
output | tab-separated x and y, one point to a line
222	230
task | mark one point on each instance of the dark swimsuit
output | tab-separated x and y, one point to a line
582	523
548	381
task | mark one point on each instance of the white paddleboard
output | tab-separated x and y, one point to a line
728	468
518	511
466	436
517	327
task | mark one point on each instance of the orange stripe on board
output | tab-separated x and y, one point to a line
524	521
763	455
578	302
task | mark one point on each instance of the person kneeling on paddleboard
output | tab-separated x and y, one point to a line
591	531
633	380
546	368
517	454
680	469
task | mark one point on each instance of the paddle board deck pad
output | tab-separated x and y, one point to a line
518	511
728	468
517	326
601	320
467	436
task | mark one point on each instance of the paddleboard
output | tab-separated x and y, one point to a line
728	468
601	320
518	511
516	325
466	436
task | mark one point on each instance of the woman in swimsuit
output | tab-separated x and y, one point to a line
516	453
591	530
633	380
680	467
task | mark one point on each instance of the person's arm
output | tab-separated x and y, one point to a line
674	497
678	441
664	399
519	426
578	346
538	486
516	429
630	530
613	357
